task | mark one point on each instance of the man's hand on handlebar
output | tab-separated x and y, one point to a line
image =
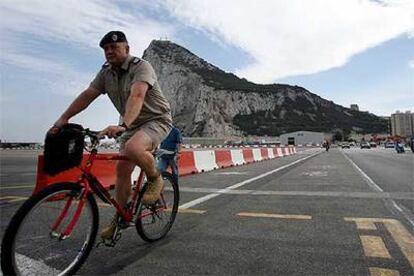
60	122
57	125
112	131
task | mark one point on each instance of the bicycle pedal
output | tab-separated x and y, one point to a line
107	243
112	241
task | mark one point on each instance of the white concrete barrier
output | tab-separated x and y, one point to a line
205	160
257	155
280	152
237	157
270	153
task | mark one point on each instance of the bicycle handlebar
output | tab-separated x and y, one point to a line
92	134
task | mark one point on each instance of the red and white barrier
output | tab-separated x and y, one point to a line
223	158
279	152
248	156
186	163
264	153
190	162
105	170
286	151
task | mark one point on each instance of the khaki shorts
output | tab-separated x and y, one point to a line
156	130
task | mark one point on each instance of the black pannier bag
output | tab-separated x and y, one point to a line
63	149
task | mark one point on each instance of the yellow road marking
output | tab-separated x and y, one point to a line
398	232
366	225
191	211
374	247
372	220
16	187
267	215
13	198
375	271
403	238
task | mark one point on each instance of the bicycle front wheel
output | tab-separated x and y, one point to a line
155	221
30	244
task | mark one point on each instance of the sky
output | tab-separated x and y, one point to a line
347	51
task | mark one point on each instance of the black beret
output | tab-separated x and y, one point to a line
113	36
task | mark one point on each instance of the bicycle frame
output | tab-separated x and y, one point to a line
91	184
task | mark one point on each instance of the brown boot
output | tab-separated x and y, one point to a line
153	192
109	230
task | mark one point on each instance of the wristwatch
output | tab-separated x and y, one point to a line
124	126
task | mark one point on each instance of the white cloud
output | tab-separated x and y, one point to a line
411	64
283	38
57	77
78	22
287	38
29	30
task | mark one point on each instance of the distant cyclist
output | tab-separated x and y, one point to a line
132	86
172	147
326	145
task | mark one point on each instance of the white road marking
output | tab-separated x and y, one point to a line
370	182
373	185
237	185
39	266
374	195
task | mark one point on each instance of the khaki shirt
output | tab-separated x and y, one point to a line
117	84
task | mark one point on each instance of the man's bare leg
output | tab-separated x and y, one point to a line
122	192
139	150
124	170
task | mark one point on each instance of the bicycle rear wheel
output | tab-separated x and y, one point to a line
155	221
30	247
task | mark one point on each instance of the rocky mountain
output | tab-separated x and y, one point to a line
206	101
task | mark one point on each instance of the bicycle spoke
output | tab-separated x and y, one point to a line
36	250
154	221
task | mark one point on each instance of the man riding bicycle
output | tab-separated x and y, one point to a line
132	86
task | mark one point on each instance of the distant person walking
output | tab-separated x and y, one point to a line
326	145
172	147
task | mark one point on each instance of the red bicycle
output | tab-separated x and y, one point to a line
54	231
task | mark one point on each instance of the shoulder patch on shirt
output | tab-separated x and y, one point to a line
106	64
136	60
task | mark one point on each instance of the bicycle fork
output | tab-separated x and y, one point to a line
69	228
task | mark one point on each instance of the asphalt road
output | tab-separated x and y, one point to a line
342	212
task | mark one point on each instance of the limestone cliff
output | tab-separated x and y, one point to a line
207	101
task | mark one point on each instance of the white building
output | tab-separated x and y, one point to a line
402	124
302	138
